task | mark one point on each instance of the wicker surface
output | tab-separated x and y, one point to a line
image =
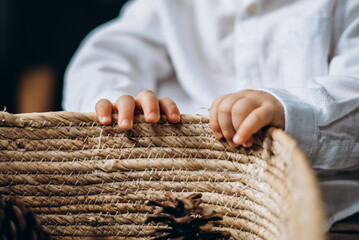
89	180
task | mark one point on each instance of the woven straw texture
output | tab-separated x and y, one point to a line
88	180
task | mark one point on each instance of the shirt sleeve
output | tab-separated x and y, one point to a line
124	56
324	116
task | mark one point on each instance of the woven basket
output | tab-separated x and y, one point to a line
88	180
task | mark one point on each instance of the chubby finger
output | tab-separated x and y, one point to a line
241	109
104	111
148	101
126	107
257	119
170	109
213	118
225	119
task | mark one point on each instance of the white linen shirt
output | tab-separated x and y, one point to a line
305	53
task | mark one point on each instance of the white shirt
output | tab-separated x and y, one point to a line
305	53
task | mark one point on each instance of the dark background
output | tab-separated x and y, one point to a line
44	34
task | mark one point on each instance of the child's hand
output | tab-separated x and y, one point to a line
126	106
239	115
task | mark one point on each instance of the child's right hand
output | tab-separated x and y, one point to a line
126	106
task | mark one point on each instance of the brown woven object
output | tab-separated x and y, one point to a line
18	222
88	180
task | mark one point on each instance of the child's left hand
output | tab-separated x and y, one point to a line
237	116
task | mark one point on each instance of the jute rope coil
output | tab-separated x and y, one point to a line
88	180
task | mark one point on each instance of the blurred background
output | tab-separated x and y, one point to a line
37	41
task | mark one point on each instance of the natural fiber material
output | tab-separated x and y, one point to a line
88	180
18	222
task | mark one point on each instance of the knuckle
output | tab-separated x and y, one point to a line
246	92
165	99
251	91
102	102
267	111
217	101
237	110
171	105
168	102
250	101
148	92
257	118
224	109
145	93
99	103
124	97
213	106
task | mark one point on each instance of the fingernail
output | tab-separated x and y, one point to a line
151	117
105	119
125	122
237	139
175	117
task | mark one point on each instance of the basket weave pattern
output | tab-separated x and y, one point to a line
88	180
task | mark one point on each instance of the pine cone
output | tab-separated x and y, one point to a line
186	219
18	222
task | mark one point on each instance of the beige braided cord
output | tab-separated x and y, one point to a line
85	180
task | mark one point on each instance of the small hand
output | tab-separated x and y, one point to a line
239	115
126	106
